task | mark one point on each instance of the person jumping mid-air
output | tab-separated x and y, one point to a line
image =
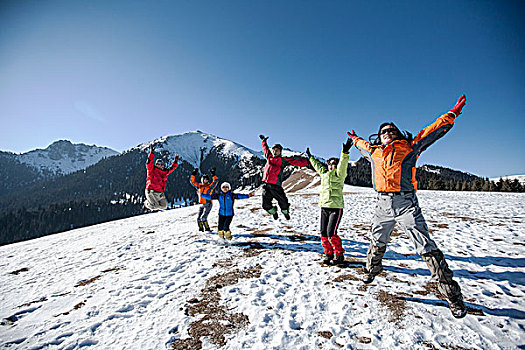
272	178
393	156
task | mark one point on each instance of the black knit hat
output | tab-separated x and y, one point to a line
277	145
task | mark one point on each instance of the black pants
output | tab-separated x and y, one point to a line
330	219
224	223
271	191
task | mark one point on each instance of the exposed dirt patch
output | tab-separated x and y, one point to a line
86	282
464	218
364	340
16	272
365	227
216	322
223	263
431	287
76	307
41	300
394	304
431	346
113	269
325	334
346	277
253	210
88	249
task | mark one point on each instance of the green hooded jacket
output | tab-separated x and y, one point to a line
332	182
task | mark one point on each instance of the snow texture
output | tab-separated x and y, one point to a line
63	157
129	284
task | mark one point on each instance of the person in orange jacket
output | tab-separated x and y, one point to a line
393	156
156	179
204	187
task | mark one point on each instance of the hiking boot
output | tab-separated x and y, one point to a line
228	235
328	258
286	214
201	226
221	233
458	308
339	259
369	277
273	212
206	226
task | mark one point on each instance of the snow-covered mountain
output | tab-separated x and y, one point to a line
154	282
63	157
196	147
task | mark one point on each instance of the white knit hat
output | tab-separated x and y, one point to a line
226	184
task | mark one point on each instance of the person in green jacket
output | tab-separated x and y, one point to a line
331	202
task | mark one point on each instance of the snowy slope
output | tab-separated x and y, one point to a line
521	178
195	145
154	282
64	157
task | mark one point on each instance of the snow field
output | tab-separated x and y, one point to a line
127	283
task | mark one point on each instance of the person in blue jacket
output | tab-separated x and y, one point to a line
226	198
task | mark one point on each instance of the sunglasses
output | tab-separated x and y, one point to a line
388	130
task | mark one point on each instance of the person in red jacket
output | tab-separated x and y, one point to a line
272	178
157	176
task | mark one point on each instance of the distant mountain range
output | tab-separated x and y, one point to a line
72	185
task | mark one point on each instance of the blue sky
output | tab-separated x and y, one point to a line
119	73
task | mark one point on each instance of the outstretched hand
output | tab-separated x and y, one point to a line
347	145
352	135
251	194
176	159
263	138
308	152
151	148
212	171
459	105
195	172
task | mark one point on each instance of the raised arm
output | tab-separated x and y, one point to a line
438	129
174	164
264	144
150	163
342	166
296	161
192	178
317	165
362	146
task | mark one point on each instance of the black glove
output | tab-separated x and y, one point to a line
308	152
195	172
347	145
151	148
262	137
176	159
212	171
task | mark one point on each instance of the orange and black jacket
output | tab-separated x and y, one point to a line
394	165
204	188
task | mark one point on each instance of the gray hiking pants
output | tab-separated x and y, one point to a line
204	211
155	200
404	209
